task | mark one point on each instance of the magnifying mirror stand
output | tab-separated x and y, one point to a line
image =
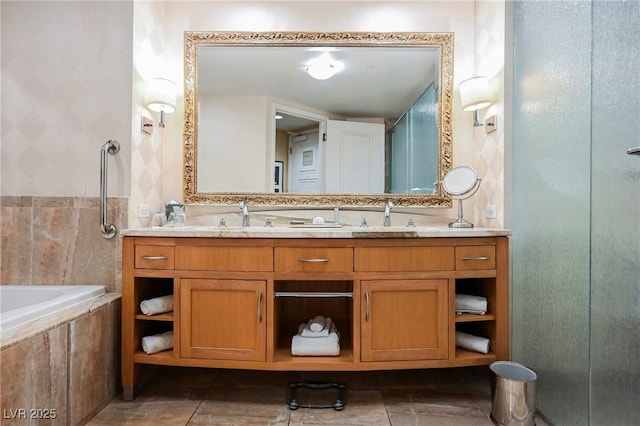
461	223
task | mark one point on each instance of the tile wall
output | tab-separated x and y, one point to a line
57	240
66	90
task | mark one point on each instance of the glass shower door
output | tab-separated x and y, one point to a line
576	208
414	140
615	211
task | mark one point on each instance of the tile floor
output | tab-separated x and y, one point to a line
195	396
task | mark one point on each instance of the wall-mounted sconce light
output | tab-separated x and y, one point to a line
160	97
324	67
475	95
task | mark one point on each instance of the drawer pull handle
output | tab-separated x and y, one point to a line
155	257
475	258
260	307
316	260
366	299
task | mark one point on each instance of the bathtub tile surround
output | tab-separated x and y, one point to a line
67	362
56	240
34	375
94	367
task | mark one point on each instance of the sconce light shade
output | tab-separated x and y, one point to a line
475	94
161	95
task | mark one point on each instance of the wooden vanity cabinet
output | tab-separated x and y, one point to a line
238	301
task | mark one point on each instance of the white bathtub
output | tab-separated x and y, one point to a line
22	303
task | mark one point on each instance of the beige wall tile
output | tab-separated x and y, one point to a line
16	245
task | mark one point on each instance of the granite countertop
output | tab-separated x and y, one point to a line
314	232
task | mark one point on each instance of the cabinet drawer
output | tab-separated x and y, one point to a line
475	257
154	257
204	258
389	259
314	259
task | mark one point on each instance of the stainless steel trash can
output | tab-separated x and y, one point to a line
513	394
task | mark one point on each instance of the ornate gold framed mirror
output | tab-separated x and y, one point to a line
378	130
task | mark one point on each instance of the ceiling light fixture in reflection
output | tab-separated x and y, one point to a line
324	67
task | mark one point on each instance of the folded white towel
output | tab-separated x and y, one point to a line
470	311
317	323
157	305
316	346
472	343
157	343
467	302
306	331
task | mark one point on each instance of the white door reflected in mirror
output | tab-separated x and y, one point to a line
461	183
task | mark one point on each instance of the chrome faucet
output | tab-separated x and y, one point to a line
387	213
245	213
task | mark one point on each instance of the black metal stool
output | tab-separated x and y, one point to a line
338	405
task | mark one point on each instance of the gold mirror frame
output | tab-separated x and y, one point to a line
194	39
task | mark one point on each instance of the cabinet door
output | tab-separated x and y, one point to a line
223	319
404	320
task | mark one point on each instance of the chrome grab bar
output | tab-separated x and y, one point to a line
112	147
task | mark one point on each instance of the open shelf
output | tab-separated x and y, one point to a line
485	287
474	317
465	356
168	316
290	312
284	355
156	358
148	288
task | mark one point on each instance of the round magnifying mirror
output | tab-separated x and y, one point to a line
461	183
460	180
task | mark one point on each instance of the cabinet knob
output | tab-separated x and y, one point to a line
316	260
475	258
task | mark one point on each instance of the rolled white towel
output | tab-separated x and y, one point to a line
317	323
306	331
316	346
472	343
157	343
157	305
469	303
